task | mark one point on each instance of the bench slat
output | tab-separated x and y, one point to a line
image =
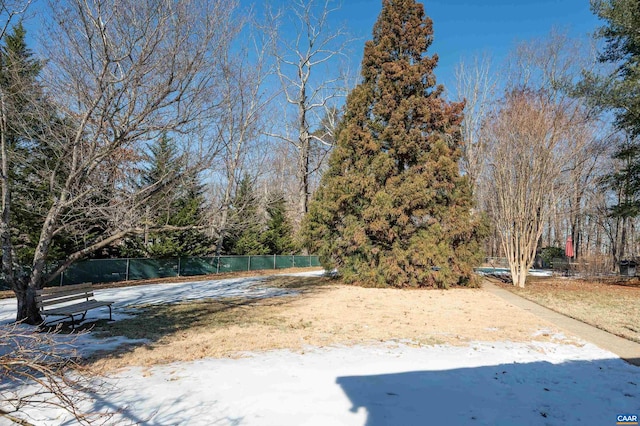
77	308
62	295
53	290
66	299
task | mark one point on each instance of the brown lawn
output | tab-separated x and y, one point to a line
612	305
323	314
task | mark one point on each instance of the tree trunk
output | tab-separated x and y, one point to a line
222	231
519	270
146	229
303	177
632	239
578	243
304	146
613	239
623	239
5	219
597	240
226	203
26	287
522	276
27	309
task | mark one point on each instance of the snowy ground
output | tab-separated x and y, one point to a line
127	298
503	383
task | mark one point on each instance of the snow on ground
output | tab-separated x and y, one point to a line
503	383
483	384
127	298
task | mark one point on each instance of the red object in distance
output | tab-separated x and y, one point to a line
568	250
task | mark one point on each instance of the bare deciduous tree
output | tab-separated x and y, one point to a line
555	63
241	127
119	73
476	85
525	135
9	10
564	132
306	64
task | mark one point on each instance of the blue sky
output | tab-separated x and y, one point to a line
462	28
465	27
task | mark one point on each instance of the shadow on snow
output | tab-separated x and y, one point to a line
576	392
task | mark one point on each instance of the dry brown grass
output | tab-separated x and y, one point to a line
612	305
323	314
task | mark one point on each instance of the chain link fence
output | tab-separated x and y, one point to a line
111	270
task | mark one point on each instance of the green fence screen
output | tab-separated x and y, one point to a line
142	269
233	263
110	270
262	262
190	266
95	271
284	262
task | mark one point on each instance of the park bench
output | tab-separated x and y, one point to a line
69	301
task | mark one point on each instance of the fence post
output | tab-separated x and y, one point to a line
274	262
249	263
178	266
294	260
126	272
61	277
218	265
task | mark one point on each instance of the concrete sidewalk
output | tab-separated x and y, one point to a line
625	349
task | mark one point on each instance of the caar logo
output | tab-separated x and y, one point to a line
627	419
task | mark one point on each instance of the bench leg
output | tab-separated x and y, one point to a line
73	322
110	317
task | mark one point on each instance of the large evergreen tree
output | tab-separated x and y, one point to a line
25	113
18	85
186	211
621	34
392	209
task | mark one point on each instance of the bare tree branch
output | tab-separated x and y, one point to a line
297	66
120	73
39	370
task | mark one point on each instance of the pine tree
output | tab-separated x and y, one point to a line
278	238
392	209
622	48
164	170
18	69
178	202
246	225
186	209
23	104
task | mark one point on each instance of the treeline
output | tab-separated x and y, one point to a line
159	129
174	194
254	226
551	145
194	128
